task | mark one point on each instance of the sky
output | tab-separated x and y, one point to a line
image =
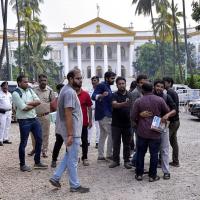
54	13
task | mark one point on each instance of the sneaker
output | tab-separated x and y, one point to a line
174	164
138	177
101	159
113	164
55	183
25	168
127	165
80	189
153	179
166	176
40	166
85	162
7	142
96	146
53	164
1	143
31	153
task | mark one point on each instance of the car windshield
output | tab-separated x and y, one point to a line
11	88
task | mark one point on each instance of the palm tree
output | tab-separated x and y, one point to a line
176	40
188	63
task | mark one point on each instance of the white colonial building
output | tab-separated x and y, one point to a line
98	46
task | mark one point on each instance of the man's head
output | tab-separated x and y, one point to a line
121	84
133	85
22	81
168	81
159	87
42	81
141	79
4	86
95	81
109	77
74	78
147	88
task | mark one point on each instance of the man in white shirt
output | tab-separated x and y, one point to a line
5	113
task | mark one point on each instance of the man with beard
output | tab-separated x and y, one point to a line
102	96
121	125
46	96
69	122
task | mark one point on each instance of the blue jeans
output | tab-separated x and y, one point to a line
70	162
26	126
142	146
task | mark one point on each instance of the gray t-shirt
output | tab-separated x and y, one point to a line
69	99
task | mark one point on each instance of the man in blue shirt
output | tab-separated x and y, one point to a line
102	96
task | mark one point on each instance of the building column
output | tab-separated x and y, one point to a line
105	58
131	59
118	71
79	56
93	71
66	59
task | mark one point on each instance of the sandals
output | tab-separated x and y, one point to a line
153	179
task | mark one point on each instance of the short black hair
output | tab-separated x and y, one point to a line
109	74
133	85
119	78
158	81
4	83
147	87
140	77
169	80
59	86
20	77
42	76
72	73
95	77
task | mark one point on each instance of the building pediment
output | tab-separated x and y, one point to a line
98	27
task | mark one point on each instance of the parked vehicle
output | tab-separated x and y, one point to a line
195	109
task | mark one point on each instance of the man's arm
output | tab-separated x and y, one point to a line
90	117
69	125
99	93
36	99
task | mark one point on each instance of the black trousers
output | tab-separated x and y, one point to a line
117	134
84	139
57	147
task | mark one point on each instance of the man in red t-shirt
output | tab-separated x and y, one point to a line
86	106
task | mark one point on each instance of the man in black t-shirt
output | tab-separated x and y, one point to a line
121	125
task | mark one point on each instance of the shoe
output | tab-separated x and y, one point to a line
113	164
109	158
53	164
85	162
44	155
25	168
40	166
127	165
55	183
96	146
138	177
166	176
174	164
159	165
31	153
80	189
7	142
1	143
101	159
151	179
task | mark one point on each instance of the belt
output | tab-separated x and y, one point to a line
42	115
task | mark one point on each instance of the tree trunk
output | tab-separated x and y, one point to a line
174	55
188	64
156	40
19	37
177	42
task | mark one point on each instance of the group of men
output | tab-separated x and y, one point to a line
116	116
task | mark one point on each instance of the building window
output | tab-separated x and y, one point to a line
99	53
88	72
56	55
123	71
88	53
99	72
75	53
123	53
109	53
109	68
